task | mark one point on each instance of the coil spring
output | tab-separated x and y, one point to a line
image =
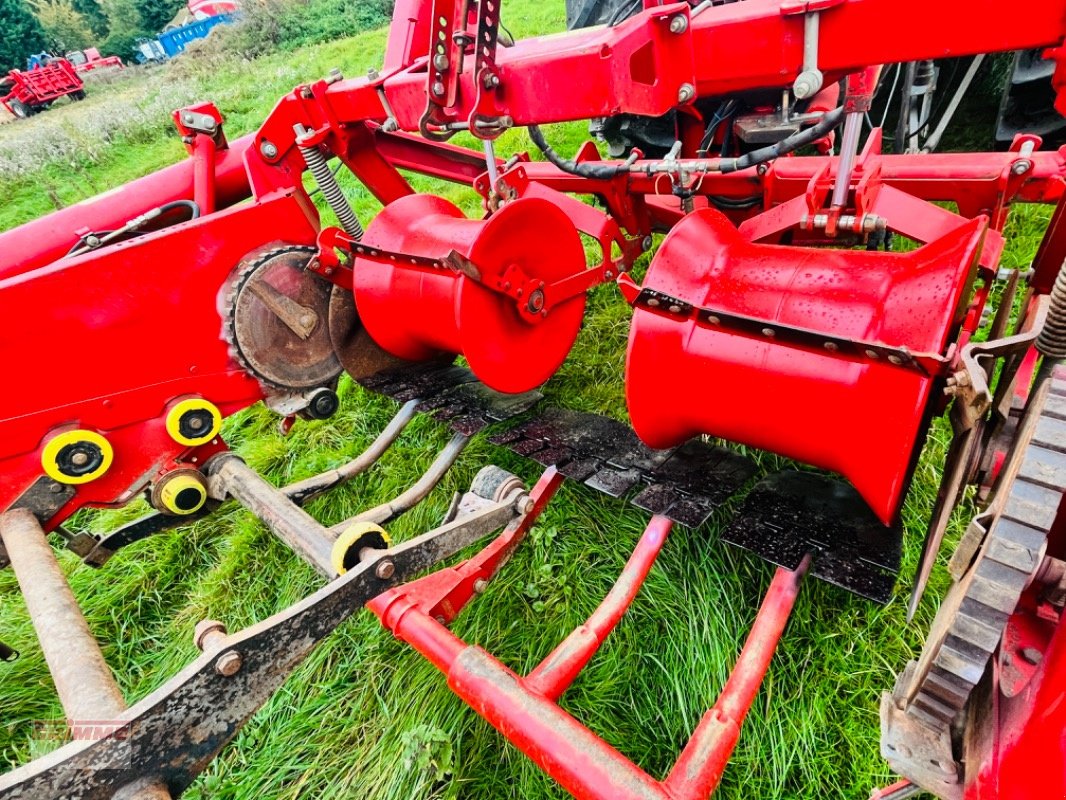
331	190
1051	341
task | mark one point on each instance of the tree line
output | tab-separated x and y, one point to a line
114	26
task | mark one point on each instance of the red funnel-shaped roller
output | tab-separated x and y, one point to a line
417	312
860	418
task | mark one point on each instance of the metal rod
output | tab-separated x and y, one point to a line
945	119
286	520
413	496
204	150
83	681
849	149
302	491
490	163
554	674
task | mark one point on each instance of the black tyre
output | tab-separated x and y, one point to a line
20	109
78	95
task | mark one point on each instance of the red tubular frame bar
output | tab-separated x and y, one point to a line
524	709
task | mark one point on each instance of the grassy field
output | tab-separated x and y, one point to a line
365	717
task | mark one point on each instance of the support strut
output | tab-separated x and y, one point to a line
83	681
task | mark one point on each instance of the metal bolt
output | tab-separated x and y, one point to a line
440	618
306	93
1021	166
438	89
79	459
678	23
762	169
768	332
526	506
385	570
55	488
686	93
268	149
440	61
536	301
480	585
334	76
491	80
653	302
675	309
373	74
832	347
1032	655
872	354
711	318
807	84
229	664
206	631
894	359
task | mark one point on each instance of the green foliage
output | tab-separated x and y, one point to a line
20	35
64	26
156	14
269	25
94	17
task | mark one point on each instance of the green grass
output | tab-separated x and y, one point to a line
364	717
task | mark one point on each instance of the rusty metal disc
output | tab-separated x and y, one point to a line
278	320
357	352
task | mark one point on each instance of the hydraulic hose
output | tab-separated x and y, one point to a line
812	134
603	172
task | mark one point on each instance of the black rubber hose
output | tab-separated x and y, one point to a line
194	208
601	172
786	145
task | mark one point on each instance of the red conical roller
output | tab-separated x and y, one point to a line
418	312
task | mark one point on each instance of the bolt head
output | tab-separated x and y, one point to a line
686	93
385	570
229	664
678	23
440	62
480	585
268	149
1021	167
334	76
438	89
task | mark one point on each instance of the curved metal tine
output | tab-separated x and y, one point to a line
416	493
302	491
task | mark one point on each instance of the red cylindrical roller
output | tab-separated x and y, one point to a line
859	418
418	312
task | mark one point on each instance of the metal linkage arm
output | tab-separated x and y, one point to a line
177	730
524	709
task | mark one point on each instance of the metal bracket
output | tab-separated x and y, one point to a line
44	498
927	364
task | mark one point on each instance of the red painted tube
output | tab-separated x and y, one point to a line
204	151
704	759
47	239
554	674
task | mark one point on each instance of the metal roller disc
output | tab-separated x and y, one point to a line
358	354
278	325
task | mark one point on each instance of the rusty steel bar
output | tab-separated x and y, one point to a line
83	681
302	491
554	674
295	527
414	495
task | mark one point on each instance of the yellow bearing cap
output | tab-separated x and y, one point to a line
182	493
76	457
194	421
354	538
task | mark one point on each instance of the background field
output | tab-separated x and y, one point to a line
364	717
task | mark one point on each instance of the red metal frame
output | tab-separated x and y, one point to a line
524	709
42	84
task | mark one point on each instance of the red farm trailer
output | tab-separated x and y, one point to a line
27	92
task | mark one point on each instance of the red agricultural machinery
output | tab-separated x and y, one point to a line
774	314
27	92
